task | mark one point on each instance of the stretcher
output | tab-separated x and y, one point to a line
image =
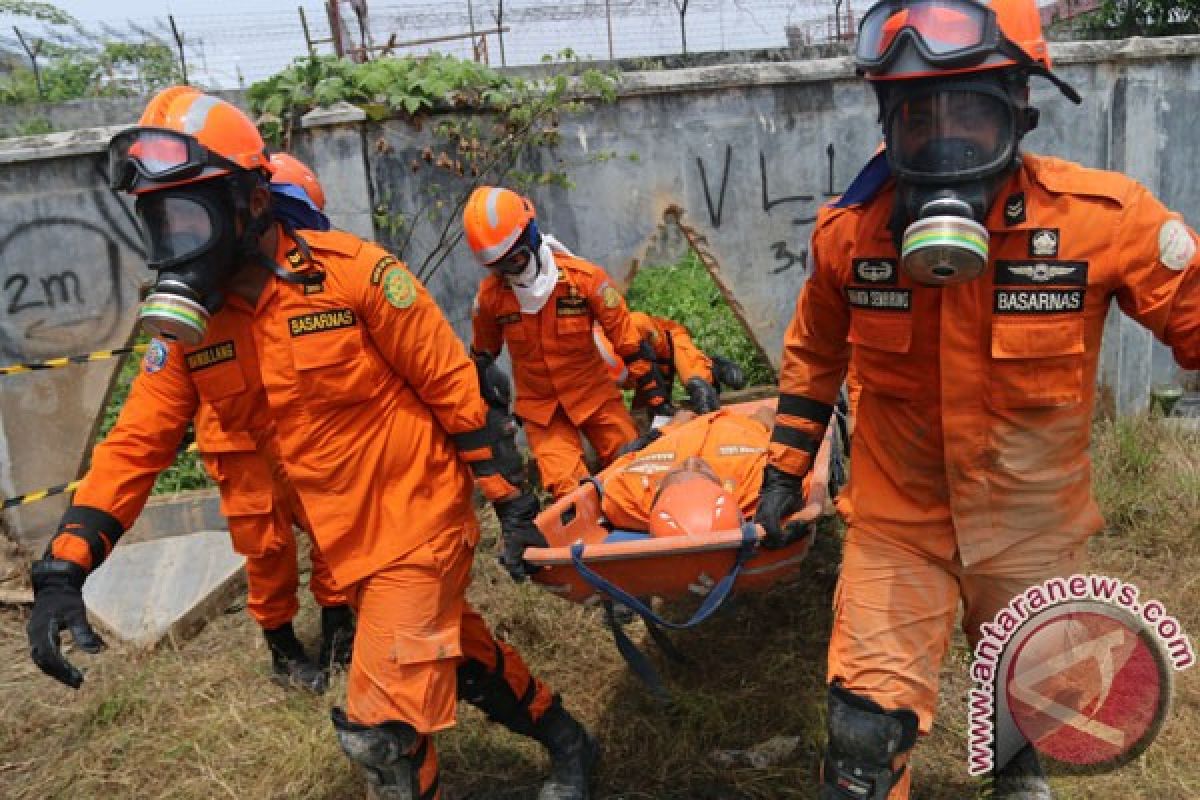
589	562
670	567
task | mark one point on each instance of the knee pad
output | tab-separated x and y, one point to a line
391	754
488	691
864	739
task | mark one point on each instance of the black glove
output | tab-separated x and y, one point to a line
494	383
727	374
703	396
782	494
518	531
640	442
58	604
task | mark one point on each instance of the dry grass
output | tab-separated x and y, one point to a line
200	720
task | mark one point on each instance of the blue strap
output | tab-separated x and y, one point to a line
711	603
866	183
635	658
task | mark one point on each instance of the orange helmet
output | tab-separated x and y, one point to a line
289	169
496	222
184	136
693	506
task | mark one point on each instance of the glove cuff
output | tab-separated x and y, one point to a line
85	537
49	571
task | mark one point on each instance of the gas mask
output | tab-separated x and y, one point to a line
951	145
198	235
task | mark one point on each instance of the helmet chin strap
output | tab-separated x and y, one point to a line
314	278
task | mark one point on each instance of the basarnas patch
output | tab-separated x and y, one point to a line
1038	301
320	321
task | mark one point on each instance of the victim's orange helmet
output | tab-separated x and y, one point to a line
696	505
184	136
289	169
498	221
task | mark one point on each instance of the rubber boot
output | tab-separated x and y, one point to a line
1022	778
337	637
383	753
290	665
573	754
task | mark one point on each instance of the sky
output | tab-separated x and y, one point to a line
225	49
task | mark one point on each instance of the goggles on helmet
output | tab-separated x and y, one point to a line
519	256
953	130
946	34
160	155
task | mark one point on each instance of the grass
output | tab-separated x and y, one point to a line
687	293
200	720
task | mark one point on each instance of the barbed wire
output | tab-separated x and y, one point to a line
258	42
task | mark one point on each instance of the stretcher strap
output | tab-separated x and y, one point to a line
635	658
711	603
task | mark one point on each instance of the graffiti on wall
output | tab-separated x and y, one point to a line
785	254
60	283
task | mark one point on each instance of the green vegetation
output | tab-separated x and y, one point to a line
687	293
485	124
188	471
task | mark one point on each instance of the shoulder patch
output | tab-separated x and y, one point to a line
381	265
399	287
1176	247
612	298
156	356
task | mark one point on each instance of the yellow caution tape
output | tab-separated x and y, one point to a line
66	361
42	494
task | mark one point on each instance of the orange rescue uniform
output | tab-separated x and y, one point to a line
262	511
364	384
562	384
675	353
971	474
733	444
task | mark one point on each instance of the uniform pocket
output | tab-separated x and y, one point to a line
218	383
336	368
882	344
567	326
1037	364
245	483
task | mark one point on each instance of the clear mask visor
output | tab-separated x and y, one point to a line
951	134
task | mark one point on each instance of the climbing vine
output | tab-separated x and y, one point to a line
481	122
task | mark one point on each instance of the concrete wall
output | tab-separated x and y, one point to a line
70	269
740	157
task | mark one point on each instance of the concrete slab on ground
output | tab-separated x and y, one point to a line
147	591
